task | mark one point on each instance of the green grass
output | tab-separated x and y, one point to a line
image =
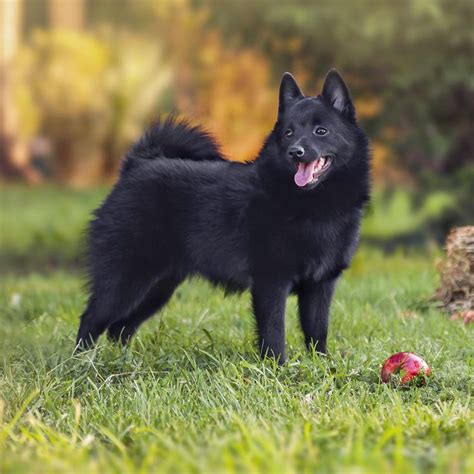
45	225
190	394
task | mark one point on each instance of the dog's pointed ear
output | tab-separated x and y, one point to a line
289	92
336	94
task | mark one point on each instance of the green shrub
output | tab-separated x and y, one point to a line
396	213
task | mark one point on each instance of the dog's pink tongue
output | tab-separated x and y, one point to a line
304	174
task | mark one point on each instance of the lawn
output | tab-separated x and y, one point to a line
190	394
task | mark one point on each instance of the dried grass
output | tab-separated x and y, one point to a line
456	292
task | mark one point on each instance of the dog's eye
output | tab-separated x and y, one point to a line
289	133
320	131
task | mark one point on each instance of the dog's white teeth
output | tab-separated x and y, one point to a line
321	163
318	167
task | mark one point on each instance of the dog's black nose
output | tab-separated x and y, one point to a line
296	151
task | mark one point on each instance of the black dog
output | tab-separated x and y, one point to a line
289	222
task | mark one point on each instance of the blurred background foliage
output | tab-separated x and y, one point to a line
83	77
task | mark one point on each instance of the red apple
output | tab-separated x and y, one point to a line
408	365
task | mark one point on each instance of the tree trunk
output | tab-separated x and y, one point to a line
14	152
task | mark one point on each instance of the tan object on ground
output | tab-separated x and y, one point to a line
456	291
466	316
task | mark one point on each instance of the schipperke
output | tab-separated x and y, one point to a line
286	223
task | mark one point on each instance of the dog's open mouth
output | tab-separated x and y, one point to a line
309	173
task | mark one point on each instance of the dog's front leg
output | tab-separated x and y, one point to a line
269	301
314	300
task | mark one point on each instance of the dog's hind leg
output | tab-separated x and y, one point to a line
123	329
111	300
91	326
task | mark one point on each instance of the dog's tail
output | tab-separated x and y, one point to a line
173	138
